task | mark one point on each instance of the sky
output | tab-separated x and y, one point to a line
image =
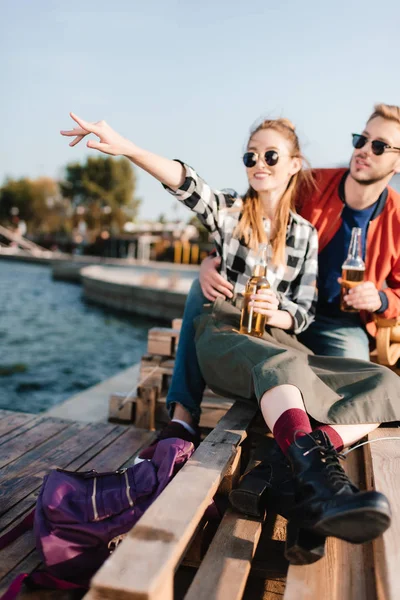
188	79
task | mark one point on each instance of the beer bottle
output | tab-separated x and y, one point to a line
252	323
353	269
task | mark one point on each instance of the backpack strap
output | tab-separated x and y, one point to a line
38	579
15	587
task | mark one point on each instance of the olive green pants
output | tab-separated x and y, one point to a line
335	390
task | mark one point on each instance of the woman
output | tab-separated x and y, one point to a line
289	383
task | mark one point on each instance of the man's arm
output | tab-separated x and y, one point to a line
212	283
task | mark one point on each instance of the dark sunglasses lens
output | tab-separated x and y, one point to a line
378	147
249	159
271	158
359	141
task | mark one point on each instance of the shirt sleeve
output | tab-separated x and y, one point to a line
197	195
302	301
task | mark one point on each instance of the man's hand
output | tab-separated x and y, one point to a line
212	283
363	296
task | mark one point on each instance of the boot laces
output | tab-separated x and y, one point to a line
330	457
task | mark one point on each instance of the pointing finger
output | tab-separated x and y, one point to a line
85	124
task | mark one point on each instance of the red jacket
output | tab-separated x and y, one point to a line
382	263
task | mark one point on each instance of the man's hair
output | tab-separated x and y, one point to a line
386	111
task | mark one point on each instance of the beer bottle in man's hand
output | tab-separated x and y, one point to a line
253	323
353	269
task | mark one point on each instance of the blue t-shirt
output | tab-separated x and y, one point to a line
334	254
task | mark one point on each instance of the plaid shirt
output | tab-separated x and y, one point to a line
293	282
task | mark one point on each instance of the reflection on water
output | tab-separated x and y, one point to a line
53	345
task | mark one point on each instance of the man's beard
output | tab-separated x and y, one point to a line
373	180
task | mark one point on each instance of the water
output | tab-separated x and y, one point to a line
52	344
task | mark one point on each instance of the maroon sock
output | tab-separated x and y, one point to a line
333	435
292	420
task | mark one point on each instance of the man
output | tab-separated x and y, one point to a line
343	199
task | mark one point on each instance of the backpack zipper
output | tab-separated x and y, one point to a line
95	513
128	490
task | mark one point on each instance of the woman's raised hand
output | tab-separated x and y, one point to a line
110	141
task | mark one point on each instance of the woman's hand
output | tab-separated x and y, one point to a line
265	302
110	141
170	172
212	283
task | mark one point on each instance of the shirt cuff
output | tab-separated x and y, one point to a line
186	185
385	303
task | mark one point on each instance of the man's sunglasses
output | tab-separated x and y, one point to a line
378	147
250	159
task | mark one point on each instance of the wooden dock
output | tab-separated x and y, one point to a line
30	446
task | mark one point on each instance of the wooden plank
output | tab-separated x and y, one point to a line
145	406
27	565
121	450
10	421
24	475
346	570
27	439
162	341
12	555
152	550
226	566
231	429
383	468
177	324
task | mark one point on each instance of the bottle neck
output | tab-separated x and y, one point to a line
261	266
355	244
260	270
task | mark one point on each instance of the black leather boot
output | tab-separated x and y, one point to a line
268	485
327	502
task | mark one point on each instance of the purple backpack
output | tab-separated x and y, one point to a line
80	518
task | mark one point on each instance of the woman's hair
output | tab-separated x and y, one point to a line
386	111
250	226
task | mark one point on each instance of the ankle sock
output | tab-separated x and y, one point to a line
333	435
288	423
185	425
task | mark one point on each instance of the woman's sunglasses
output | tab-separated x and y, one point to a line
378	147
250	159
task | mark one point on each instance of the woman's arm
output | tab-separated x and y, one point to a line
169	172
179	179
302	301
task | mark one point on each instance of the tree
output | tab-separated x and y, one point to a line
16	198
105	186
37	202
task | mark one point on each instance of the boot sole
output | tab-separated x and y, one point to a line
356	525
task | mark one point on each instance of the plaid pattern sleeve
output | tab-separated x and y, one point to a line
207	203
294	282
301	299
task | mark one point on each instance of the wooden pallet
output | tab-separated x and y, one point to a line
146	408
243	551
